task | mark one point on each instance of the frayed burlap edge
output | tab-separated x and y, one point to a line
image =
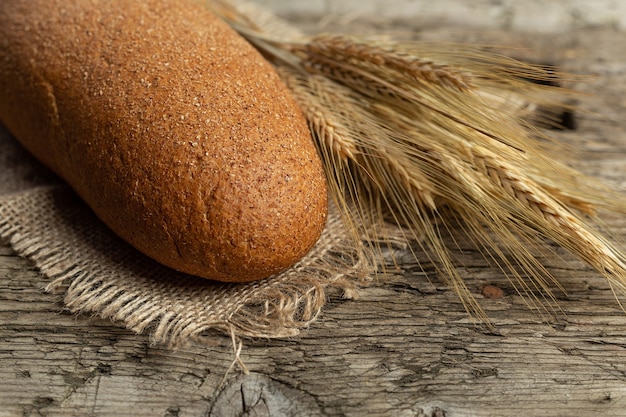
101	275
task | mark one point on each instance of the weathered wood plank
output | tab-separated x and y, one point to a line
404	348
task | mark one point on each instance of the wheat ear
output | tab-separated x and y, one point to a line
430	136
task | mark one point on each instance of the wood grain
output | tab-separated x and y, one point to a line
405	347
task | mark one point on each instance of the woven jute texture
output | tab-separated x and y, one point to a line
43	220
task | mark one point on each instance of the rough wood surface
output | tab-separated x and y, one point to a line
534	15
405	347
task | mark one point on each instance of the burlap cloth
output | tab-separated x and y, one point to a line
43	220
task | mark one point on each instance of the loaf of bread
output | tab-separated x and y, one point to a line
170	126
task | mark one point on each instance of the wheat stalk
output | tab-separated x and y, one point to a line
325	125
428	136
342	49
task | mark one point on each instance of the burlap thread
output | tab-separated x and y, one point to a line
100	274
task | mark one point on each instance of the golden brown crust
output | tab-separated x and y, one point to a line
170	126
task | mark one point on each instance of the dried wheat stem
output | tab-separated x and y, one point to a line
395	172
345	49
331	133
350	76
552	218
400	96
339	139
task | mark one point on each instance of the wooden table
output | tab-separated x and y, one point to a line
405	347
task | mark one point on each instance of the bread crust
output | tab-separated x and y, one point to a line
171	127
